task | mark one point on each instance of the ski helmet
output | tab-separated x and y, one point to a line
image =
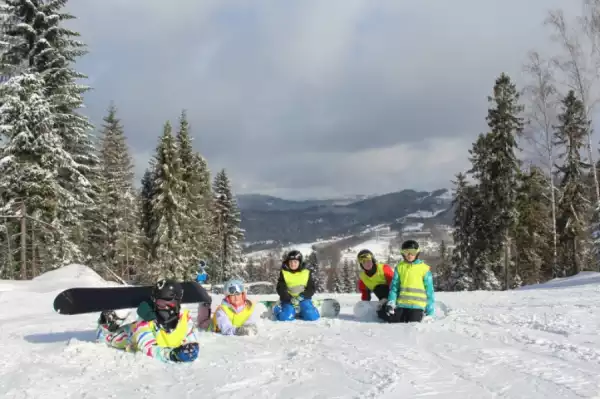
233	286
365	255
166	298
293	255
410	247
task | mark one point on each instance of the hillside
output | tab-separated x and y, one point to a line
540	342
272	220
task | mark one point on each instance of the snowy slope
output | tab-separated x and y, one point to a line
540	342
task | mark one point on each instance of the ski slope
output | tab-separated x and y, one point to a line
536	342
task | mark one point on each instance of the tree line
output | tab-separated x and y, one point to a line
527	210
76	186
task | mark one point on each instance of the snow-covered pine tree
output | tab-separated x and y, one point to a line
338	283
319	273
573	207
116	230
461	276
36	41
506	125
533	232
195	228
349	276
226	222
147	219
31	156
486	249
167	211
442	270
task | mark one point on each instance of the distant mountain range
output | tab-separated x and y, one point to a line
274	220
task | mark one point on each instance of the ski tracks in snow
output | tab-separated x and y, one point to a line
530	344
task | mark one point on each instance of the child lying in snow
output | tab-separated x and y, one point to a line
236	315
167	333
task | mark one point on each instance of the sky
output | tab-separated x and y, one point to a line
310	98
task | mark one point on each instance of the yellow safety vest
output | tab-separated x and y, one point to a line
412	288
237	319
175	338
296	282
376	279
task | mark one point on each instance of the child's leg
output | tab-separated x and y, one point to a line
111	333
308	311
284	312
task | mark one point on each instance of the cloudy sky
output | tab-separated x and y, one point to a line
310	98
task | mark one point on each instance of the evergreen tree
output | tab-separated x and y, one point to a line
227	228
339	284
30	159
463	236
573	208
35	41
533	235
195	197
167	211
147	219
117	224
496	168
349	276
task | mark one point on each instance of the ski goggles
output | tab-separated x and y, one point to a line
234	289
364	258
165	303
411	251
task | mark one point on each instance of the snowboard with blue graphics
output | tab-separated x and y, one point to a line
328	307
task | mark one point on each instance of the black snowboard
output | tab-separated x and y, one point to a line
97	299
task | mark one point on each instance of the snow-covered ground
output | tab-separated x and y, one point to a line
538	342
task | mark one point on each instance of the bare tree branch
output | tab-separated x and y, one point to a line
543	99
578	66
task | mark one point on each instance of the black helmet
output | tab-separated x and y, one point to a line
410	244
166	298
168	290
294	254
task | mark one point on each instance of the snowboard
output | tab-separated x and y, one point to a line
82	300
328	307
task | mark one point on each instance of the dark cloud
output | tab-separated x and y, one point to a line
309	97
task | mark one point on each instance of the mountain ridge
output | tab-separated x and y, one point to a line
271	219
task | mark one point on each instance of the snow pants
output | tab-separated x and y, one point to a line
120	338
401	315
287	312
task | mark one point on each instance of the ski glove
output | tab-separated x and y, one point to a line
381	304
249	329
390	308
185	353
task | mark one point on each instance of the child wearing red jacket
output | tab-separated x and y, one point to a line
374	278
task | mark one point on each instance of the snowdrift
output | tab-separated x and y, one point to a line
535	342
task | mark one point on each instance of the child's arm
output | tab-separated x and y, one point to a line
393	295
428	282
309	291
223	323
284	295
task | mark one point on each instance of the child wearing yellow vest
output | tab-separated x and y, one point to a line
170	335
295	287
411	290
236	315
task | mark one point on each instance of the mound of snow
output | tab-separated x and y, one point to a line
583	278
73	275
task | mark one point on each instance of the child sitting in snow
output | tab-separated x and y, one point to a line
236	315
295	288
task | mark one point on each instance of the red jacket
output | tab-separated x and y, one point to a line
365	292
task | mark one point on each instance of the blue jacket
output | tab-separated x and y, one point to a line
427	282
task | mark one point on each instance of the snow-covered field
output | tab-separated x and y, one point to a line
537	342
